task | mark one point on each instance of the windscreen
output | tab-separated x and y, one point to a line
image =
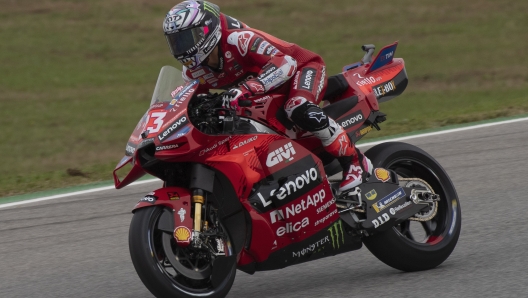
169	79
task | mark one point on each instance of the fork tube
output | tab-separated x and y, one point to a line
198	200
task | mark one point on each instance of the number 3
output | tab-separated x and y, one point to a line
158	121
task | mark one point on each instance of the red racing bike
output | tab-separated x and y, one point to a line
251	191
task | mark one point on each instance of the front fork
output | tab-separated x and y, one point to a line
198	200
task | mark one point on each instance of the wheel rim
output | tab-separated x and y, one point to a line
431	232
187	269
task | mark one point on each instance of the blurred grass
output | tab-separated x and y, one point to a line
77	75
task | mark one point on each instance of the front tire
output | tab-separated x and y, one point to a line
411	245
148	244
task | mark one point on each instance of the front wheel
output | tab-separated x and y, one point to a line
417	245
169	270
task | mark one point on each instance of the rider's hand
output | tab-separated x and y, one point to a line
230	98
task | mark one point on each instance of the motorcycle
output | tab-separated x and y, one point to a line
249	190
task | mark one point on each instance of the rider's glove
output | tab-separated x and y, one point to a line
230	98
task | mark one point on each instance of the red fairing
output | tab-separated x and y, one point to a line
275	168
177	199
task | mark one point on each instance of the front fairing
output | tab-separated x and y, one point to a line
164	124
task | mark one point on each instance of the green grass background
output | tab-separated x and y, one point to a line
75	76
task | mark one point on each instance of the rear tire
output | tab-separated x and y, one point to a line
399	246
150	261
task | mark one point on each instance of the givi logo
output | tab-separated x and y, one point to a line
283	153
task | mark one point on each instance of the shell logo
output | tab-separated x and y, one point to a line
382	174
182	234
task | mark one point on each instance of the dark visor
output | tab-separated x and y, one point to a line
181	42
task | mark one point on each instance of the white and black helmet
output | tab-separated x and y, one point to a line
192	29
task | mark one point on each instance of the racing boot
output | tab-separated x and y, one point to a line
355	168
355	165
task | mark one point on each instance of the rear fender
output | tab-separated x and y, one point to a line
178	201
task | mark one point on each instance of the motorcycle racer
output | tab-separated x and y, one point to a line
224	53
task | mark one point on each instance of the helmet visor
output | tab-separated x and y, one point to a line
183	41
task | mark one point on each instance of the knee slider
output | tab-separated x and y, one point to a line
309	117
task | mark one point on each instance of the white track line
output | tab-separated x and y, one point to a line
442	132
361	145
76	193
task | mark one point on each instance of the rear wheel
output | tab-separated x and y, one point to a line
417	245
169	270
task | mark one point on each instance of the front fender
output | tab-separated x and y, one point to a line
178	201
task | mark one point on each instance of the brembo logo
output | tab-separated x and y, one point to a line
352	120
283	153
171	128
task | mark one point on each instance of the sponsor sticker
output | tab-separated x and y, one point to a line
371	195
182	234
173	196
337	235
262	47
197	73
382	174
150	198
284	153
182	213
389	200
399	208
384	89
307	79
312	248
255	45
352	119
380	220
171	129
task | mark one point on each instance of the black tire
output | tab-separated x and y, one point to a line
162	280
398	247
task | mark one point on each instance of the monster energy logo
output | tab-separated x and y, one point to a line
210	7
335	230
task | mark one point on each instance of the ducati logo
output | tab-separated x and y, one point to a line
283	153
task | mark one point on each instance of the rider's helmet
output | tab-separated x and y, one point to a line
192	29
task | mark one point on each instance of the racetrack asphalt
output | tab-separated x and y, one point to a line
78	246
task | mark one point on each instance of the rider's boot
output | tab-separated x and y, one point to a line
355	164
355	169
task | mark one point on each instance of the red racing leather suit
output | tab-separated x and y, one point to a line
258	62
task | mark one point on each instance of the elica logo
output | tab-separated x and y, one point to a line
337	234
283	153
292	186
293	227
171	128
352	120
